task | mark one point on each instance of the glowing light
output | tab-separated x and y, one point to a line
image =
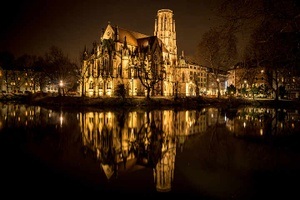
61	120
261	131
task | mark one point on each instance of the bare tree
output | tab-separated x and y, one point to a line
81	71
59	69
150	69
7	63
217	51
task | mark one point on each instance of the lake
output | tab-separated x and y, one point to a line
208	153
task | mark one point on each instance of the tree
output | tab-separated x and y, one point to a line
272	32
275	51
217	51
231	90
81	71
282	91
7	63
149	77
121	90
149	66
59	69
39	77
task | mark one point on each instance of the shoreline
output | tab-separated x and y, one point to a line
143	103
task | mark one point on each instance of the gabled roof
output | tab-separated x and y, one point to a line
131	36
135	38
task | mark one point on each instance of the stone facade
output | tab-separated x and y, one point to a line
138	61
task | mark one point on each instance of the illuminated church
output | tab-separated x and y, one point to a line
121	56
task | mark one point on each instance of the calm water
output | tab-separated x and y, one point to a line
206	153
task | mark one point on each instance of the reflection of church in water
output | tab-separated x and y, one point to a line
135	140
125	141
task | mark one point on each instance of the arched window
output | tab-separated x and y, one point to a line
109	85
91	85
101	85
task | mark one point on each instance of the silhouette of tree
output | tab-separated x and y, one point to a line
217	51
59	68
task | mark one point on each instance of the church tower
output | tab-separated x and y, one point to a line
164	29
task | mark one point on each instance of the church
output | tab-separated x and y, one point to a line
145	65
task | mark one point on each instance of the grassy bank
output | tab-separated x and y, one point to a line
142	102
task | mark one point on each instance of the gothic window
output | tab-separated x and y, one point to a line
132	73
106	63
109	85
101	85
119	70
91	85
94	70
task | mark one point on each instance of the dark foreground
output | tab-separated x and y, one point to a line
214	165
225	168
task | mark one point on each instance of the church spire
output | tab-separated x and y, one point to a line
165	30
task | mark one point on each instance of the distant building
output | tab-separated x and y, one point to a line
264	81
24	81
18	81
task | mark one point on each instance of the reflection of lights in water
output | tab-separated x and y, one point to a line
26	113
244	124
19	119
261	131
146	141
61	120
293	125
132	137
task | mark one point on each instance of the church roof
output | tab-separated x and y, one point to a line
137	39
131	36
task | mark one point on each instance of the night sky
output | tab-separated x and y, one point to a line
33	26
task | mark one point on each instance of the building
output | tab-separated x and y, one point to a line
138	61
19	81
141	63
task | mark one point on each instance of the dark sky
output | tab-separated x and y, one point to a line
32	26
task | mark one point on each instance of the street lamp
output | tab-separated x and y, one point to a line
61	84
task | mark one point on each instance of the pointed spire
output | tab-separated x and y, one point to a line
125	42
117	33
